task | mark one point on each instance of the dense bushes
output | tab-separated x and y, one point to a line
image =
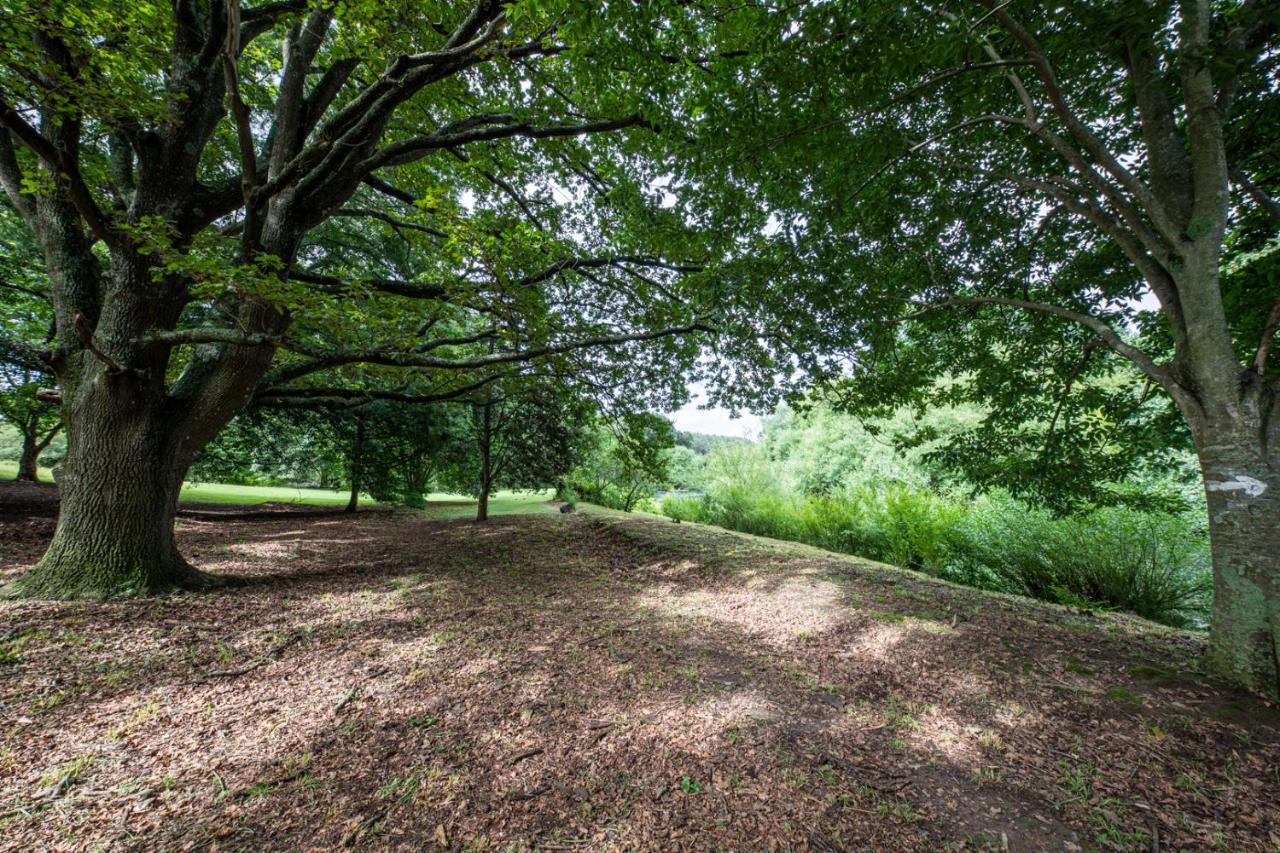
1154	565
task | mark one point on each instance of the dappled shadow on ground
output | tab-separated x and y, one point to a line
608	683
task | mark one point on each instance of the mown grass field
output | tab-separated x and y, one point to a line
439	504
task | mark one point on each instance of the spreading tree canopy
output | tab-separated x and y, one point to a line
295	200
1007	195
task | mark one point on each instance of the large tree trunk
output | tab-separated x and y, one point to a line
131	435
28	465
119	489
1242	484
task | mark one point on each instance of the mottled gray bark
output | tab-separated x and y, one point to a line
1242	485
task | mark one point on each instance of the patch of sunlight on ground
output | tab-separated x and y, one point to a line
878	642
780	611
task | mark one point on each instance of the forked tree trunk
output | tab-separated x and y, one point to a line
131	435
32	446
1242	484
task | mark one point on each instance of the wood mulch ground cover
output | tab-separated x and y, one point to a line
597	682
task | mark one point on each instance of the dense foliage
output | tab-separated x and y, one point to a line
623	461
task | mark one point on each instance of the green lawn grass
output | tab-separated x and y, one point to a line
439	504
9	470
500	503
223	493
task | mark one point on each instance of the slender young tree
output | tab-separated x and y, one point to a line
175	161
521	436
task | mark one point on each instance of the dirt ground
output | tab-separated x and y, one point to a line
597	682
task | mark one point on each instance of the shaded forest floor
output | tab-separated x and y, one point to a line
595	681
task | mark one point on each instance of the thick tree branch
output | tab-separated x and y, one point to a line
442	291
1204	125
390	190
1166	151
317	396
1099	327
11	181
289	125
493	128
65	168
244	130
408	289
394	222
332	358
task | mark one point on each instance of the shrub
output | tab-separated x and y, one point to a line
682	507
1152	564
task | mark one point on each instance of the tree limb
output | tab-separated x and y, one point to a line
332	358
456	136
1104	332
1268	335
65	168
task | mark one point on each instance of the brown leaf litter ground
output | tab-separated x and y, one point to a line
597	682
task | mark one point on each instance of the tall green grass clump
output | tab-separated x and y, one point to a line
1155	565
